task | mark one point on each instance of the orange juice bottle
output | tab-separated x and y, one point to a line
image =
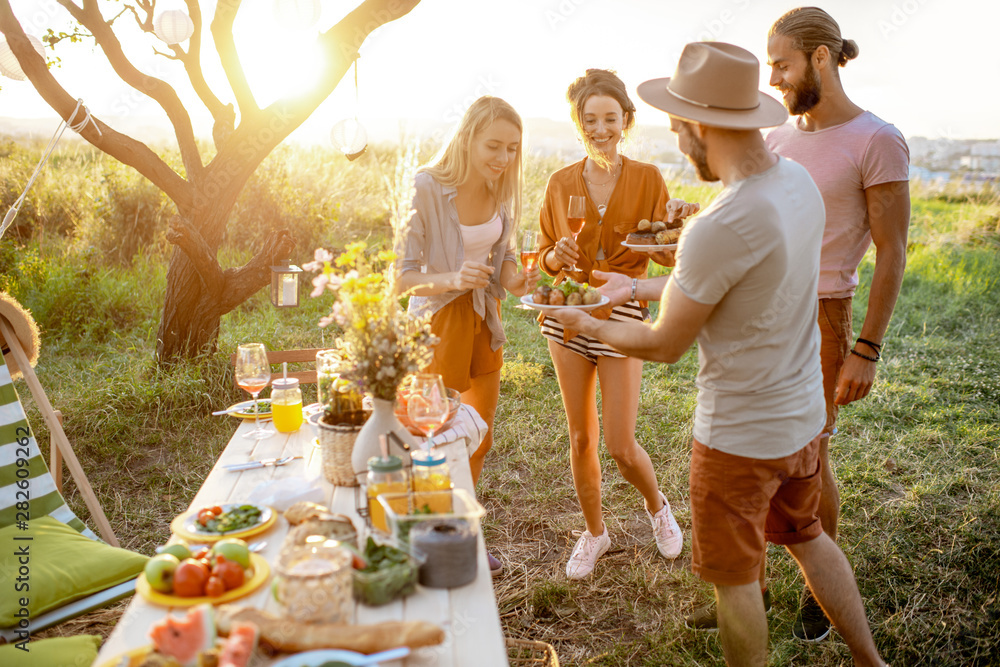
385	475
431	482
286	405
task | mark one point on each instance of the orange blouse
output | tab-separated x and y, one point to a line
640	193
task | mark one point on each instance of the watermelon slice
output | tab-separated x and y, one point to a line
239	646
183	638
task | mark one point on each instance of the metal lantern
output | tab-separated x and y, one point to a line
297	14
9	67
173	26
350	138
285	284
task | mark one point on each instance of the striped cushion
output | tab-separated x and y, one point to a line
19	452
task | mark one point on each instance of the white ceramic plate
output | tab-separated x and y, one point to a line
192	526
317	658
527	300
649	248
244	410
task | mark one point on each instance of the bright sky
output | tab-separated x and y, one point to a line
927	66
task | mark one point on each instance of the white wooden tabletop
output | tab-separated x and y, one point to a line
468	615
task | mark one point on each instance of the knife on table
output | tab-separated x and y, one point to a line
263	463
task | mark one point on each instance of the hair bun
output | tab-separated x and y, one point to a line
849	50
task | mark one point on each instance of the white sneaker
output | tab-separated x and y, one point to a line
669	539
586	552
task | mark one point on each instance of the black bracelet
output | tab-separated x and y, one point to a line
864	356
875	346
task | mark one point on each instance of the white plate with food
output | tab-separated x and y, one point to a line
336	657
244	410
649	248
528	300
214	522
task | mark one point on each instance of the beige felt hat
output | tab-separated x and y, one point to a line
715	84
23	325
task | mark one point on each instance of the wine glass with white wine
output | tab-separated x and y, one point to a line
253	372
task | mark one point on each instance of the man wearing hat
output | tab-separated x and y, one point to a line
744	287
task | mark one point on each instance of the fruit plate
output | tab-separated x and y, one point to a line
529	302
244	410
186	525
261	571
317	658
649	248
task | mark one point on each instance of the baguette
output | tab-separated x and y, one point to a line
288	636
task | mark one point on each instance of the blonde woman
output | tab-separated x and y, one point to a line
619	193
457	255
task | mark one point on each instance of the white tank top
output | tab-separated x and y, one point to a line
479	239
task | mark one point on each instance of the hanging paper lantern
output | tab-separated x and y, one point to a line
173	26
349	137
297	14
9	67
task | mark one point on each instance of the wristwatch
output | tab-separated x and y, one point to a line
635	284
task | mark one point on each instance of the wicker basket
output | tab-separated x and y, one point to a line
335	446
528	653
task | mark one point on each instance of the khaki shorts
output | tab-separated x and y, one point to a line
737	503
464	351
836	337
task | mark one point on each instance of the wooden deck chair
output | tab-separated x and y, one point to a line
67	571
277	357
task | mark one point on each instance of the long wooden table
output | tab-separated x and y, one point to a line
467	614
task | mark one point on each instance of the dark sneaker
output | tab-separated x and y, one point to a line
706	619
811	624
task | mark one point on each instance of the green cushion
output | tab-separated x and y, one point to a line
62	566
56	652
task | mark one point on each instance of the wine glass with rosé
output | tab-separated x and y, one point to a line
253	372
575	216
427	406
529	255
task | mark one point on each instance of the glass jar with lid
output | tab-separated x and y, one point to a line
431	481
385	475
286	404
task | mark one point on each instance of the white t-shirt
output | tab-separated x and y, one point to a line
754	253
478	240
843	160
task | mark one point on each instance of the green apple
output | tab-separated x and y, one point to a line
233	549
179	549
160	570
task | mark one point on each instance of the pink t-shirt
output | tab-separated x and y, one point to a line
844	160
478	240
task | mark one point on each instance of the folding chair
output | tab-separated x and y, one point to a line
35	494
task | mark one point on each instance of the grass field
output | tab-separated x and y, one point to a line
917	460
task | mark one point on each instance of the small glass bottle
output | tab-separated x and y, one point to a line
385	475
431	481
286	404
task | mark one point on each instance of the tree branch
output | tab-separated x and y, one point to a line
181	233
160	91
120	146
222	32
243	282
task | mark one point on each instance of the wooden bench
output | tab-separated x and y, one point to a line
278	357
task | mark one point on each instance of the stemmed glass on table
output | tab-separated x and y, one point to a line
253	372
428	404
575	216
529	255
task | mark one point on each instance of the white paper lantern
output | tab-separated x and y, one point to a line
297	14
173	26
9	67
349	137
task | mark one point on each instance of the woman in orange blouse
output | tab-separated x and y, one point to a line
619	193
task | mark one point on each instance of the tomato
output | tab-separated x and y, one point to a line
202	554
189	578
214	587
205	515
231	573
216	510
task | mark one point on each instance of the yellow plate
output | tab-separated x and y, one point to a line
181	525
261	571
137	655
244	411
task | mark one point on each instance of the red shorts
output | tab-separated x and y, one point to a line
738	502
464	351
836	336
